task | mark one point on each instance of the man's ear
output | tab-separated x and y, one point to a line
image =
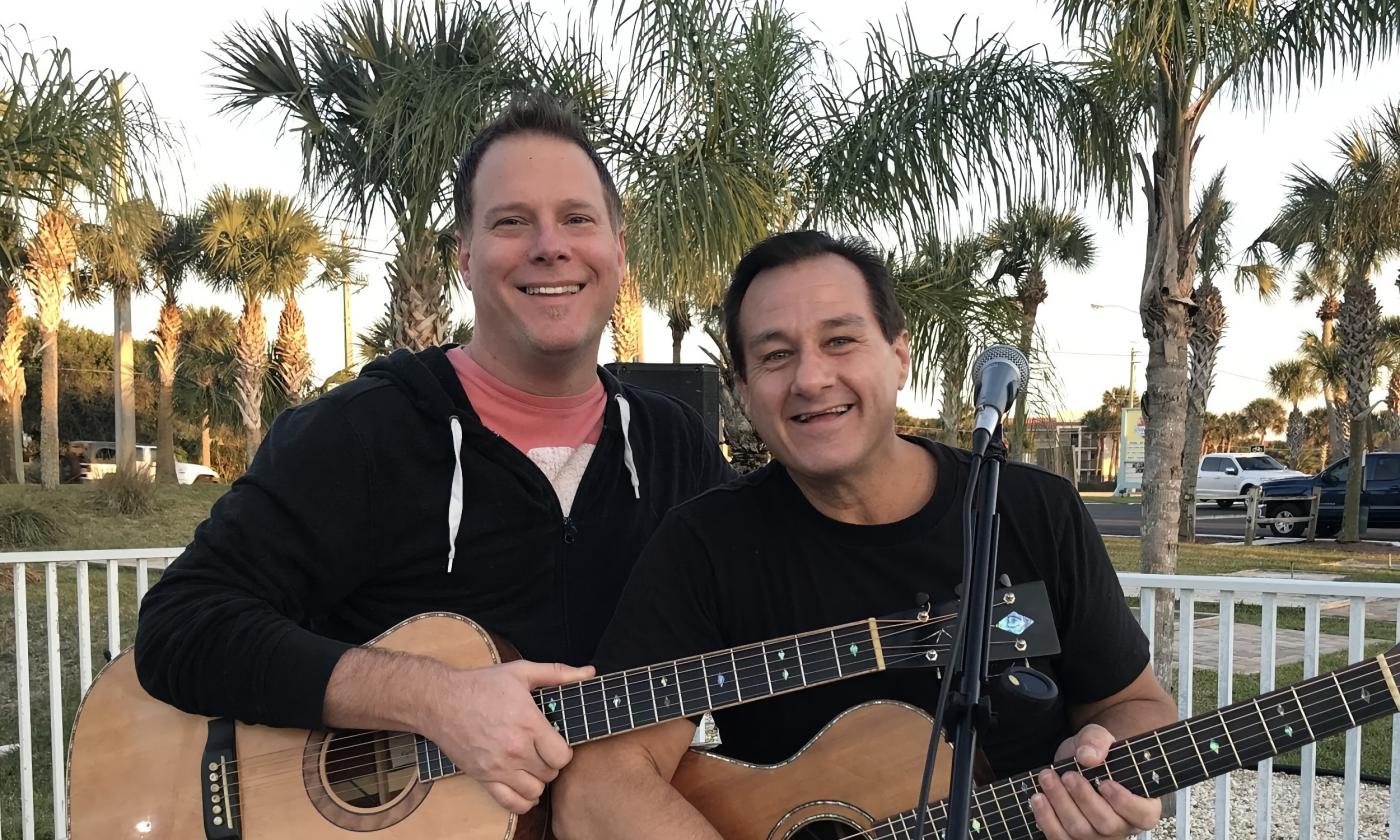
464	256
901	350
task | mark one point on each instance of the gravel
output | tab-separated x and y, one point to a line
1327	809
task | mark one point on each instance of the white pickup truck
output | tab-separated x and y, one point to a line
1225	476
97	458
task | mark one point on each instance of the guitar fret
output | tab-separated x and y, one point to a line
571	713
616	704
776	663
1132	756
837	652
816	656
1028	787
705	678
1342	694
1272	746
595	708
752	683
767	668
651	686
801	671
549	702
738	686
643	713
722	679
1302	713
690	682
996	800
1162	751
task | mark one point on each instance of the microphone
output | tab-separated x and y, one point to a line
1000	372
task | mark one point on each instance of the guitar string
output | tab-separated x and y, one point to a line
1178	752
1356	678
378	738
593	687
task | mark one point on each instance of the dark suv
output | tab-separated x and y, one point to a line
1381	496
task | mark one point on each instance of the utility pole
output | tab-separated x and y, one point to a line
1132	376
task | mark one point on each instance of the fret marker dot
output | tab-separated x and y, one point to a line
782	654
617	702
1147	754
1155	778
1365	695
855	649
663	682
785	673
553	706
1214	745
556	727
1288	730
976	825
719	680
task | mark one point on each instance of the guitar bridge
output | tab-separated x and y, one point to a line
218	782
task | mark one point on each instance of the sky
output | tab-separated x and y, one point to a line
164	45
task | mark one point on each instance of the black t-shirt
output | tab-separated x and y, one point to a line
753	560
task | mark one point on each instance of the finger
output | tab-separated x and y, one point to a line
553	673
1140	812
1094	807
528	787
1046	819
507	798
553	750
1092	745
1063	804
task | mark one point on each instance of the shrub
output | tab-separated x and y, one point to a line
130	491
22	526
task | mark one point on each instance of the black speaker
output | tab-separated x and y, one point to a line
695	385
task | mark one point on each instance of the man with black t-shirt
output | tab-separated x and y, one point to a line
852	521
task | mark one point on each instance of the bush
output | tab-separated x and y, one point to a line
22	526
130	491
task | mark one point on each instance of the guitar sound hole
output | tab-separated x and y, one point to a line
369	770
825	830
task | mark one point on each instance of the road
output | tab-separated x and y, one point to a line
1121	520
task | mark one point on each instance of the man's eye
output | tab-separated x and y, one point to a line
510	221
840	341
579	220
776	355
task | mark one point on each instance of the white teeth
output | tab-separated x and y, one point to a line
840	409
553	290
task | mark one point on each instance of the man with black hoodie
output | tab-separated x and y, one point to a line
512	481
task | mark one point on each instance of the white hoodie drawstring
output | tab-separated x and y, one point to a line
625	411
454	502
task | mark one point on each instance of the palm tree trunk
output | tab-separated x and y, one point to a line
1029	309
1190	458
627	322
1358	325
167	347
680	323
1168	277
418	294
1296	434
204	441
48	425
293	360
123	384
954	379
747	452
12	388
251	363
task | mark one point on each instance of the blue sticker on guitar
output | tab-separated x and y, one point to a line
1015	623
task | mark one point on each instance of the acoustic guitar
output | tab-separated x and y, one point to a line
141	769
856	777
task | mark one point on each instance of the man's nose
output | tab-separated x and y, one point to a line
814	372
550	245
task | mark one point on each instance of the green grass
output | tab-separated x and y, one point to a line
171	523
1230	558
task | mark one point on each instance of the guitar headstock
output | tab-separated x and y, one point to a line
1022	627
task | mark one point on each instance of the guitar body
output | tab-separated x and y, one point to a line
141	771
865	765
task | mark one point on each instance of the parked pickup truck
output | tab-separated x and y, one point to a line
1231	474
1380	495
97	458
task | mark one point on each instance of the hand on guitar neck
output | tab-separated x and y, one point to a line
1070	807
484	719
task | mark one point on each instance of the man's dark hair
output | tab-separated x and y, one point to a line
788	248
542	114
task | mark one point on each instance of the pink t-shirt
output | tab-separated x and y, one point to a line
557	433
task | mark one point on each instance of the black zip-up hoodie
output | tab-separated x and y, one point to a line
387	498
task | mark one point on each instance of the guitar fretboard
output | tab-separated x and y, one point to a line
1187	752
614	703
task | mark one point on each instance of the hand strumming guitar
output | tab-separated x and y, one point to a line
484	719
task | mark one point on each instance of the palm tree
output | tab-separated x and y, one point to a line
291	359
1163	65
1029	240
1293	380
111	255
1352	218
64	136
1213	213
172	254
257	245
1324	280
49	273
11	365
385	98
1263	415
205	387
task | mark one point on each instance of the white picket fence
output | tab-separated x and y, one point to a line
64	643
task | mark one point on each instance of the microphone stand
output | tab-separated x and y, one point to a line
969	709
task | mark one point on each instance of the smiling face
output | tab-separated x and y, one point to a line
820	377
540	255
